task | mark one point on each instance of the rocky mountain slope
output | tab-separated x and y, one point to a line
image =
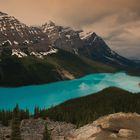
16	34
63	37
40	40
89	45
97	49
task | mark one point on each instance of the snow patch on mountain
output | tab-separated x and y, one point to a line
41	54
18	53
17	33
21	54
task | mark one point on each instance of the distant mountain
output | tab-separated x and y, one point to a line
96	48
15	34
44	40
49	53
89	45
63	37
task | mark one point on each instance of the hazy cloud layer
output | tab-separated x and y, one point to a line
117	21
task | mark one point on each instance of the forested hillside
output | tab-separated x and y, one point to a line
87	109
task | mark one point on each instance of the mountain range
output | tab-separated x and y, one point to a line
51	52
89	44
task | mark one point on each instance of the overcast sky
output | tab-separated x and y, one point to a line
117	21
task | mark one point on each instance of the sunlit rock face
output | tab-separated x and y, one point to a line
118	126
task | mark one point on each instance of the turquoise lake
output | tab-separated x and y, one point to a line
52	94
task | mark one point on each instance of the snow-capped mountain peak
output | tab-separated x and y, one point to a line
87	35
15	32
17	35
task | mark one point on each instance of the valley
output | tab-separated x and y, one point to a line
57	83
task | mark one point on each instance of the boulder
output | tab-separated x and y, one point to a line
127	133
114	136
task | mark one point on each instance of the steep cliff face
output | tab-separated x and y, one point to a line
96	48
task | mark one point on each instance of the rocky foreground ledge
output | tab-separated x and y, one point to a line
120	126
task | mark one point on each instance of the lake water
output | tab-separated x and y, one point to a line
52	94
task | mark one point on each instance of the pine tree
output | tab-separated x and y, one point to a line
36	112
16	124
4	118
46	135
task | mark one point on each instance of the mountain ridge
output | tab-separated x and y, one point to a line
55	46
90	45
16	34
